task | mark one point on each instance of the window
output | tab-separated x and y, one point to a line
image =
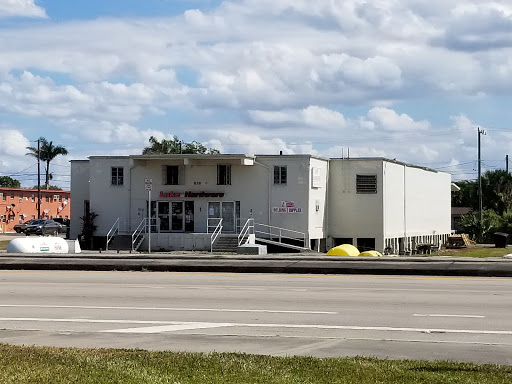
12	195
366	243
33	197
223	174
47	198
4	196
21	198
117	175
366	184
280	174
171	175
60	198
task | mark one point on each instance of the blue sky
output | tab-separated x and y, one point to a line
391	79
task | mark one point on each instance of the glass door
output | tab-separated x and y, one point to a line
177	217
163	215
213	215
228	216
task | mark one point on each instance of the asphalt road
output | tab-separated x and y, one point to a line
428	318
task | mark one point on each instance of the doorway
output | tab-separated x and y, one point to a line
224	210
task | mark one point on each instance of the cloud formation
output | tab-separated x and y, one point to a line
20	8
261	76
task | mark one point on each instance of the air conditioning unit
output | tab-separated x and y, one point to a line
1	194
55	197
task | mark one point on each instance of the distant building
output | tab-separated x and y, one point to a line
19	205
373	203
457	214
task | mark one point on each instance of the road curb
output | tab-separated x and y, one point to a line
284	265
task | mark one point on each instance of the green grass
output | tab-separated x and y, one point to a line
3	244
20	365
474	251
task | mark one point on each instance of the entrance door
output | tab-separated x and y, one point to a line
177	217
228	216
224	210
163	215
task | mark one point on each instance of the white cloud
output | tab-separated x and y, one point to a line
389	120
312	116
20	8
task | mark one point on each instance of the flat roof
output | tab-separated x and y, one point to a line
395	161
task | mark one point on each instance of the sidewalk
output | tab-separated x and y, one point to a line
310	263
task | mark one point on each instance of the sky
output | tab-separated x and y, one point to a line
411	80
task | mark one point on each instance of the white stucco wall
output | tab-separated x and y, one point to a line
353	215
394	200
317	212
108	201
80	193
417	201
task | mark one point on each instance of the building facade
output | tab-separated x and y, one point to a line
373	203
19	205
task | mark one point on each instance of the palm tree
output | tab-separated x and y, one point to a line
47	152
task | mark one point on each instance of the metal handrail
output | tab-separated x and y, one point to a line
215	234
281	235
209	220
136	235
112	232
249	224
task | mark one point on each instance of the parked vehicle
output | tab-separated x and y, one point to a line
20	228
44	227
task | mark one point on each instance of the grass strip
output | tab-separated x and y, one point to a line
21	364
3	244
474	252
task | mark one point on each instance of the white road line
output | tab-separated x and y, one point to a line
256	325
168	328
442	315
165	309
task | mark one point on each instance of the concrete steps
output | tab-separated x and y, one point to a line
121	242
226	243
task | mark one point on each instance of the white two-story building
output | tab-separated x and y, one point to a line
305	200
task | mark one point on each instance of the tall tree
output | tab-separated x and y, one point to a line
8	182
176	146
47	152
496	192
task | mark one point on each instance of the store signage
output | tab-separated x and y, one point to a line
190	194
287	207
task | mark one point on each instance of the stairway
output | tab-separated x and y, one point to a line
121	243
226	243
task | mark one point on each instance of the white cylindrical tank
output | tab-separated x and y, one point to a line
39	244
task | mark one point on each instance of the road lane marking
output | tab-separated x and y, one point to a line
167	309
256	325
168	328
224	274
443	315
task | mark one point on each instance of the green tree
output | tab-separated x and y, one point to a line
8	182
51	188
496	192
46	153
467	196
176	146
492	222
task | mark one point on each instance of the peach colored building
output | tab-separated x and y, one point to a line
19	205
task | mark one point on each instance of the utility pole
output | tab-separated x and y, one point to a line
506	163
38	179
480	205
